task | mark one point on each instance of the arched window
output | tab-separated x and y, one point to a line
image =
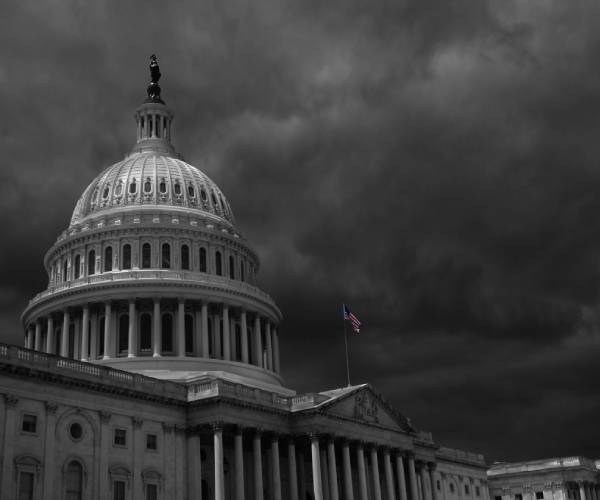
165	256
146	256
202	260
242	270
74	481
105	192
185	257
91	264
127	256
119	189
231	267
218	264
123	333
145	333
203	195
107	259
132	187
147	185
76	270
101	337
167	333
189	334
191	192
65	270
162	187
177	188
214	199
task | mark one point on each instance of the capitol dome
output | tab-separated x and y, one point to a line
152	275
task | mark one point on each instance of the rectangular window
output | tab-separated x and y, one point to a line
119	490
120	437
477	492
466	489
439	485
498	497
151	492
29	423
25	486
539	495
518	496
151	441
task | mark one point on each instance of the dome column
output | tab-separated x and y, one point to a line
258	351
156	333
131	347
276	365
85	320
226	334
94	336
38	336
269	345
204	314
217	335
107	329
181	327
50	335
64	338
244	334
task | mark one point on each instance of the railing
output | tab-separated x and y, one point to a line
154	274
461	455
212	388
58	364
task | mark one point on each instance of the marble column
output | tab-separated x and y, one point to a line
375	474
193	462
276	366
216	323
49	447
424	482
412	477
181	328
218	456
226	334
198	333
244	338
362	473
582	494
348	492
50	335
85	333
269	345
316	465
64	337
276	472
333	482
239	464
204	314
11	430
301	476
258	349
107	330
29	340
389	476
432	482
77	337
131	347
38	336
292	470
401	477
94	336
324	473
258	474
156	330
443	487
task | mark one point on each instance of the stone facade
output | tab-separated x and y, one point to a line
151	365
571	478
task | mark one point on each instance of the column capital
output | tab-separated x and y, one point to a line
217	425
137	422
50	407
11	400
167	427
431	466
258	431
104	416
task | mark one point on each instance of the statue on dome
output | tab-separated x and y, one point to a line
154	88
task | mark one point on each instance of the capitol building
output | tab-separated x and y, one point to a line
151	370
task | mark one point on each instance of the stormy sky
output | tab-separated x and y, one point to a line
433	163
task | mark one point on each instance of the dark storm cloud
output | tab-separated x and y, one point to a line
432	163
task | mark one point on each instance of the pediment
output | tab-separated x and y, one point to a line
365	406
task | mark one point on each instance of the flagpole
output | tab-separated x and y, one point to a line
347	359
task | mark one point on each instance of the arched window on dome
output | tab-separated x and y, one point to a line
77	266
177	188
167	333
203	265
148	185
106	192
91	264
108	259
185	257
73	481
133	187
165	262
123	339
162	187
218	264
146	256
150	122
214	199
145	333
65	270
191	191
119	188
142	126
157	125
100	347
126	256
203	195
231	267
189	334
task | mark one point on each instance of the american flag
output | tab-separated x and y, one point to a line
354	321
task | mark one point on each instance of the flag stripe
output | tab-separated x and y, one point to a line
354	321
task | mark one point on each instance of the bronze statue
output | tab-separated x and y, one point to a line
154	88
